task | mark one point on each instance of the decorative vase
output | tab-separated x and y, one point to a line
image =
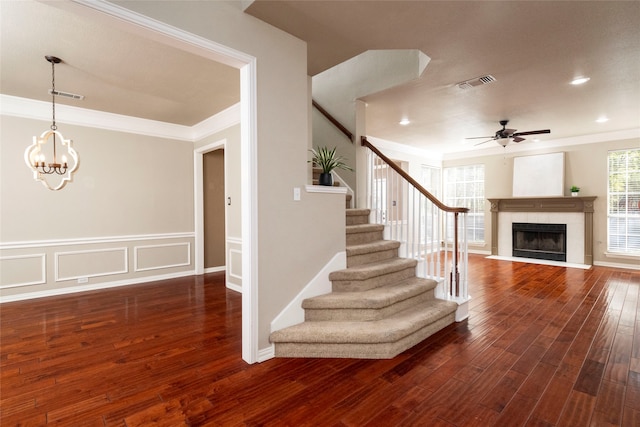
574	193
326	179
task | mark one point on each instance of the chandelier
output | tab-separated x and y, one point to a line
34	155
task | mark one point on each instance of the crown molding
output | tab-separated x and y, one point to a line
40	110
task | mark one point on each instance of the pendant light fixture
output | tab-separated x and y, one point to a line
34	155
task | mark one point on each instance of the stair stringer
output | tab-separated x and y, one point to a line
293	313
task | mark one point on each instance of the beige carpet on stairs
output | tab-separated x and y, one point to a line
377	309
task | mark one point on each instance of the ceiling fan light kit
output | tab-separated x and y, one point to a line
504	136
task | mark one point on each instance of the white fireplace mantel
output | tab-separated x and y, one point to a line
546	205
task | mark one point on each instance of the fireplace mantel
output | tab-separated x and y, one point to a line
545	204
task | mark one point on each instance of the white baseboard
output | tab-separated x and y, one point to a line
266	353
234	287
92	287
617	265
214	269
293	313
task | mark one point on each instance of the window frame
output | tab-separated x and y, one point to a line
629	217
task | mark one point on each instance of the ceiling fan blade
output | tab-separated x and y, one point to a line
517	139
479	137
533	132
483	142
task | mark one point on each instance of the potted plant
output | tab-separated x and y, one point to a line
326	159
574	190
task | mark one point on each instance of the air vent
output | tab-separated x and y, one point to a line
66	94
483	80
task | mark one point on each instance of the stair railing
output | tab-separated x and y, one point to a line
429	231
342	128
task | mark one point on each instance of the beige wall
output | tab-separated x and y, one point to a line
585	166
325	134
126	216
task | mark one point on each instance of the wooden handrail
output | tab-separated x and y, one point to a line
412	181
333	120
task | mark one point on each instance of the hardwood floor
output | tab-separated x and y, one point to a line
544	346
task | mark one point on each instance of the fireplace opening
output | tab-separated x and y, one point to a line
540	241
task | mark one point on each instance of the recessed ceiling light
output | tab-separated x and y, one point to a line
580	80
602	119
404	122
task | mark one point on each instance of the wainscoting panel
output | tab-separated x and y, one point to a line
90	263
234	264
23	270
155	257
36	269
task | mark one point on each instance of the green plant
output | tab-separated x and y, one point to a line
574	189
327	160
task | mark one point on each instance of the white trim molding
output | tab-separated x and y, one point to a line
40	110
136	250
43	270
92	240
91	287
123	270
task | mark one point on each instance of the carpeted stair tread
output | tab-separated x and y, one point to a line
377	246
377	298
363	228
368	271
358	212
359	350
388	330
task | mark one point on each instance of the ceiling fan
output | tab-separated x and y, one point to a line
504	135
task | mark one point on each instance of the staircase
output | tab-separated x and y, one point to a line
377	309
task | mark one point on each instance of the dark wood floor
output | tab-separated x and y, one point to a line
544	346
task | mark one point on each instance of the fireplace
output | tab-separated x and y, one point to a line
575	212
539	241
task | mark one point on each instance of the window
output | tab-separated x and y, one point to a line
430	180
464	187
623	202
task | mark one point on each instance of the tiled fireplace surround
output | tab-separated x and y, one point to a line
576	212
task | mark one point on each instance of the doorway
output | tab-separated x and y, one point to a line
213	174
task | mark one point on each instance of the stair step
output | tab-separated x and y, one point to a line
369	276
366	253
377	339
374	304
363	233
357	216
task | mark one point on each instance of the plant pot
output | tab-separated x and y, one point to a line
326	179
574	194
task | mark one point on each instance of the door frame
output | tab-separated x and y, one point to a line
247	64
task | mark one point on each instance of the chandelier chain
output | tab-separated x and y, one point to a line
53	95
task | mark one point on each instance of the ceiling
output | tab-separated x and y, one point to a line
117	71
533	49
